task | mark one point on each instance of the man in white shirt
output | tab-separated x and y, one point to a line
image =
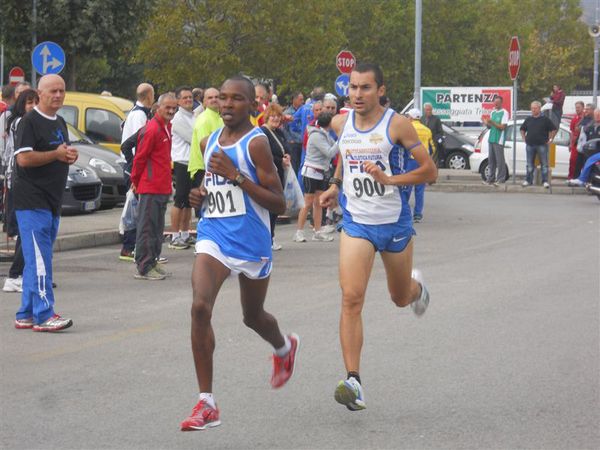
140	113
183	126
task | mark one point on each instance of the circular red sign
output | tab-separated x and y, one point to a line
514	58
345	61
16	75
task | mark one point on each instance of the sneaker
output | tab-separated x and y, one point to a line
162	271
162	260
546	185
525	183
275	246
127	255
54	323
486	183
575	182
21	324
326	229
190	240
419	306
203	416
283	367
178	244
321	237
350	394
152	275
417	218
13	285
299	236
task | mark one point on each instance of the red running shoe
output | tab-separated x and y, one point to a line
22	324
283	367
203	416
54	323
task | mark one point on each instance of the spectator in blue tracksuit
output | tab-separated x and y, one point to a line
42	156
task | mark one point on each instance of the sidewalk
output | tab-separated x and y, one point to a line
101	227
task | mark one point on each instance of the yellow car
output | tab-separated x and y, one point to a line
99	117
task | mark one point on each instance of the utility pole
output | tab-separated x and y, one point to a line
418	29
34	43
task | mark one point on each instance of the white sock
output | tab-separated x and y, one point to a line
185	234
175	235
208	397
285	349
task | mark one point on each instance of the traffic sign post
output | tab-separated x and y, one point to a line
345	61
342	82
514	65
48	58
16	76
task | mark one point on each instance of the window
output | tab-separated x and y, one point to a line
69	113
509	133
102	125
562	137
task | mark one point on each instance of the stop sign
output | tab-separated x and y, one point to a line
345	61
15	76
514	58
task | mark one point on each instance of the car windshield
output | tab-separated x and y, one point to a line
77	137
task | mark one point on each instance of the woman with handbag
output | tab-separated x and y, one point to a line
273	117
320	149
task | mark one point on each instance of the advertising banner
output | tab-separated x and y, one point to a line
465	104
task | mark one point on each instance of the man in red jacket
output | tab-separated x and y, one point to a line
151	179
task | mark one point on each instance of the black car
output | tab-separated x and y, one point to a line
459	148
83	190
105	163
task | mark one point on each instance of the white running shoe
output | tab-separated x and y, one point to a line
327	229
419	306
322	237
575	182
525	183
546	184
350	394
299	236
276	246
13	285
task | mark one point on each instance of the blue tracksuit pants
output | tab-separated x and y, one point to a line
37	229
412	164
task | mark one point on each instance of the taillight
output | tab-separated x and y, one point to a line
477	148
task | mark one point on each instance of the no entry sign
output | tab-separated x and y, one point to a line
15	76
345	61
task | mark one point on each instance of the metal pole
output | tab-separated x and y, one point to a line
418	16
514	113
595	81
2	63
34	43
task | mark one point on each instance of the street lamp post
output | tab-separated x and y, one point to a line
418	16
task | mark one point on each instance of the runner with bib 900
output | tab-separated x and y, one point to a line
374	145
239	189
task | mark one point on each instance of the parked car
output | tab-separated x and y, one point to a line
459	148
83	190
99	117
479	158
104	163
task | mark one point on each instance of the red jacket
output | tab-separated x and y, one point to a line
575	130
151	173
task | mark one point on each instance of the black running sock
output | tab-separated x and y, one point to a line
355	375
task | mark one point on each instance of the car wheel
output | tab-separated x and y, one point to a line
484	170
457	161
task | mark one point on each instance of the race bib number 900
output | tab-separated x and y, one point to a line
365	186
224	201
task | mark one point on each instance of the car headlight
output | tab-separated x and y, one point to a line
468	147
102	165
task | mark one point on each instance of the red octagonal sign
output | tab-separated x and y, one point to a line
345	61
514	58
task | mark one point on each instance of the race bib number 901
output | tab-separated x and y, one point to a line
224	201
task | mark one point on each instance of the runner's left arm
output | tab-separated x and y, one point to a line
402	131
268	193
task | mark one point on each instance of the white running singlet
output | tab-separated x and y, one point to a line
368	201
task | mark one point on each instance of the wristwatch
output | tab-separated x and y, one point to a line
239	179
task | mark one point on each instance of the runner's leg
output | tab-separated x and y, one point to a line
317	210
308	201
356	261
398	267
208	275
253	294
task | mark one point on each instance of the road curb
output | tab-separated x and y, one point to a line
86	240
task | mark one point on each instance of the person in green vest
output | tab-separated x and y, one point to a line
497	123
207	122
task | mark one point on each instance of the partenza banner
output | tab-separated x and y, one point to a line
465	104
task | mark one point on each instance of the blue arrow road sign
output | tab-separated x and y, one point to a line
341	84
48	57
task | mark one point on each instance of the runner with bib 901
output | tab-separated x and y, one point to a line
239	189
375	144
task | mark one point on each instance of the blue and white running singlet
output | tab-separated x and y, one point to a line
365	200
229	217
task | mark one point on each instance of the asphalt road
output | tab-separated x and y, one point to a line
506	357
